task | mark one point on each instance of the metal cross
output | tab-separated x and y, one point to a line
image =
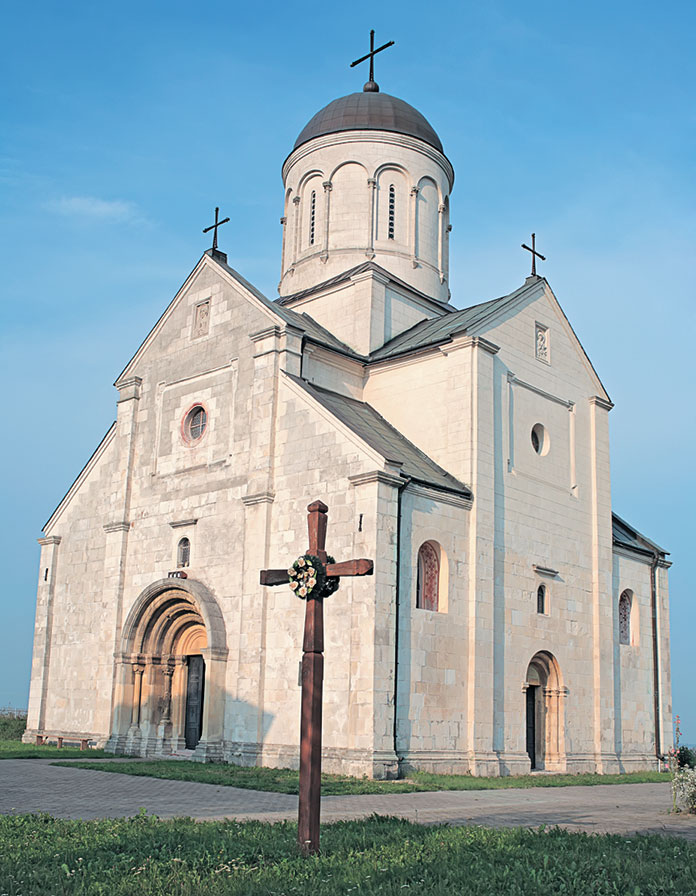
313	676
215	227
535	254
371	55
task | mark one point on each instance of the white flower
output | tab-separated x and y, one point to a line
311	570
292	572
312	583
301	562
294	586
302	592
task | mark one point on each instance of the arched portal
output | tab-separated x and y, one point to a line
545	713
169	694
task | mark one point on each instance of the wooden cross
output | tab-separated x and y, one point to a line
313	676
535	254
371	56
215	227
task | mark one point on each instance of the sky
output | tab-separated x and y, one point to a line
122	126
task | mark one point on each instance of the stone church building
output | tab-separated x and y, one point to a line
512	621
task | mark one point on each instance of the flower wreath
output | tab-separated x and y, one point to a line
308	576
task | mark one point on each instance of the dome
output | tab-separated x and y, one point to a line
369	111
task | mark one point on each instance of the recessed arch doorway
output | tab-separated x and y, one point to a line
169	694
544	713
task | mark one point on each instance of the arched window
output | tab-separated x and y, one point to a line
183	553
392	212
541	599
312	216
428	587
625	618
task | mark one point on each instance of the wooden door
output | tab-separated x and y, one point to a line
531	723
194	701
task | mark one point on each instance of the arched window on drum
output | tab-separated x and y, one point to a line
432	578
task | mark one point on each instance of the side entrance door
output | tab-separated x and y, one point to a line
194	701
531	723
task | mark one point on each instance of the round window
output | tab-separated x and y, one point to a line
540	440
195	423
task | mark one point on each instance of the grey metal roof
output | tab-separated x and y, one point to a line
437	330
351	272
626	536
304	322
369	111
373	429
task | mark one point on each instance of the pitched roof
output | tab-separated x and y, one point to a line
439	330
626	536
379	434
360	269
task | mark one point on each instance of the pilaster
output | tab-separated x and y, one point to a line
41	661
481	677
117	528
602	596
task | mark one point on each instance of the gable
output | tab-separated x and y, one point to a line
537	342
182	327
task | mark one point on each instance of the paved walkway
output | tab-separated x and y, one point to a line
34	785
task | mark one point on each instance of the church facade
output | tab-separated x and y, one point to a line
513	621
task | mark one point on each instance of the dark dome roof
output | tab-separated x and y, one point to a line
369	111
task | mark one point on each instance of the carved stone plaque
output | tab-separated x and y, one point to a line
201	320
542	344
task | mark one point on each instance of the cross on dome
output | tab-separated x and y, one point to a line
372	86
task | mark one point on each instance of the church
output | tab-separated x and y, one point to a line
514	622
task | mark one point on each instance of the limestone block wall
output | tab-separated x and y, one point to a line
634	707
72	665
316	458
433	646
367	310
437	415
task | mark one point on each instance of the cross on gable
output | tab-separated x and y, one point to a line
371	85
215	226
313	673
535	254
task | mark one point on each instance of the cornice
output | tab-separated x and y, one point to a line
378	476
368	136
544	571
178	524
117	526
435	494
50	539
565	402
601	402
258	498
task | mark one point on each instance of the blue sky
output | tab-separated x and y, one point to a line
122	127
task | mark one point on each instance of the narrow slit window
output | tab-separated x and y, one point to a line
183	554
312	216
392	211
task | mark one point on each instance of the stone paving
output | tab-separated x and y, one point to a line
34	785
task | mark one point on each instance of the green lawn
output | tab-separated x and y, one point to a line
386	856
15	749
286	781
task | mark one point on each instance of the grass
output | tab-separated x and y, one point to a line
120	857
11	728
280	780
15	749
